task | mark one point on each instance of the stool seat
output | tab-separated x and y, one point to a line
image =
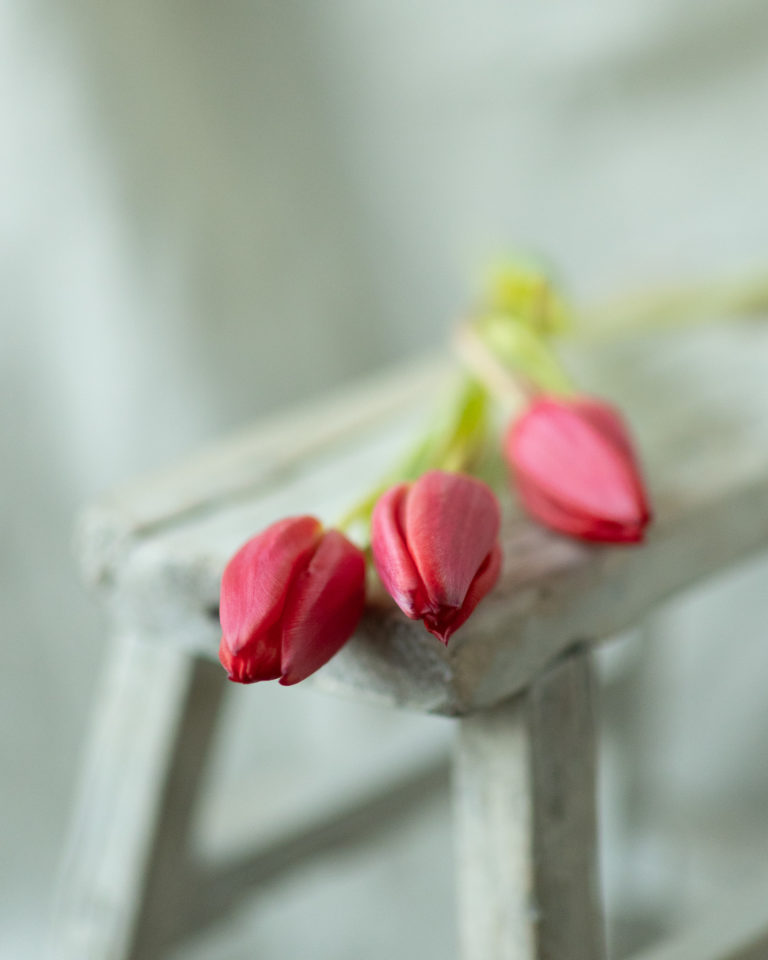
697	401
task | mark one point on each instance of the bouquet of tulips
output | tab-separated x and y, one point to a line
293	594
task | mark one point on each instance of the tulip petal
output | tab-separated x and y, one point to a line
557	450
451	524
254	588
610	423
391	558
258	660
606	421
445	624
323	608
576	524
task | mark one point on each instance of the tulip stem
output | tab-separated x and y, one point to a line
667	307
513	361
473	352
456	441
522	292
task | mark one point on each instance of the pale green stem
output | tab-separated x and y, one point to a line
512	358
454	442
673	306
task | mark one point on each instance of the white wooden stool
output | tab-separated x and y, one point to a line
517	677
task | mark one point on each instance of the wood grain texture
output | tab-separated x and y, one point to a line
562	733
493	809
133	742
698	402
526	823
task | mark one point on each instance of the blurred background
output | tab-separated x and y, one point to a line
210	210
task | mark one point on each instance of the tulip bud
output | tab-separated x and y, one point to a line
435	546
290	599
576	470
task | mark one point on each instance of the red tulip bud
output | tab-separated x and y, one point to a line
435	546
576	470
290	599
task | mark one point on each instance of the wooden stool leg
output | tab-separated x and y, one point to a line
124	866
526	823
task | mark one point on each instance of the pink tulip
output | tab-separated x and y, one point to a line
290	599
576	470
435	546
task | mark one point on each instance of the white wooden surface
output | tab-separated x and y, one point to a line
134	740
526	823
698	401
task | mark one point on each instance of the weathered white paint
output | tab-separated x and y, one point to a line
134	740
494	826
699	403
526	823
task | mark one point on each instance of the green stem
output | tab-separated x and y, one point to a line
523	291
454	441
525	354
674	306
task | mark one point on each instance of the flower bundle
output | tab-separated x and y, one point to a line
294	594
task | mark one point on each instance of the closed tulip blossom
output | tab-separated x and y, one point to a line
576	470
290	598
435	546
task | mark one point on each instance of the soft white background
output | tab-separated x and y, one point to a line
207	210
